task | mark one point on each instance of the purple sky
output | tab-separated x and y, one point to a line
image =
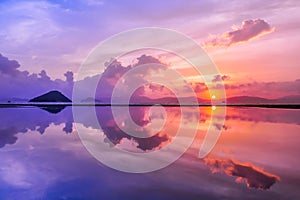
250	42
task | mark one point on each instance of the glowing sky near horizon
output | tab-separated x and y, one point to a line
251	42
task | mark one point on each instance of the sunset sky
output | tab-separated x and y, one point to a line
255	45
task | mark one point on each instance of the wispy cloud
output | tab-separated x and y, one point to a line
31	23
249	30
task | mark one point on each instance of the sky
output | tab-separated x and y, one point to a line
254	44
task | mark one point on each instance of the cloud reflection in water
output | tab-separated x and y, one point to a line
186	178
252	175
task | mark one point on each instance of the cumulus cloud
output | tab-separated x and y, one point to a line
249	30
115	70
252	175
69	77
199	87
17	85
8	67
22	84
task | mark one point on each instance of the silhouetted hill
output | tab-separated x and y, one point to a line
52	96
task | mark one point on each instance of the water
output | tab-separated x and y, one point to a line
256	156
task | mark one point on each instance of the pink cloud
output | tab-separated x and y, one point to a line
249	30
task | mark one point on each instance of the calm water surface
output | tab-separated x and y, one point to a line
256	157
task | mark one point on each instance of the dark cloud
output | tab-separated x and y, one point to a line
8	67
250	29
69	77
22	84
219	78
221	126
16	84
115	70
252	175
44	75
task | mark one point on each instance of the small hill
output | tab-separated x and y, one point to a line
92	100
52	96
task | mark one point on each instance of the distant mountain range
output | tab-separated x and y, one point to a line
147	100
294	99
56	96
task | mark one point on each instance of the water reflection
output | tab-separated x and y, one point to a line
53	109
22	120
253	176
39	160
141	117
289	116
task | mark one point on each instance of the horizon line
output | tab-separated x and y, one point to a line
53	104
